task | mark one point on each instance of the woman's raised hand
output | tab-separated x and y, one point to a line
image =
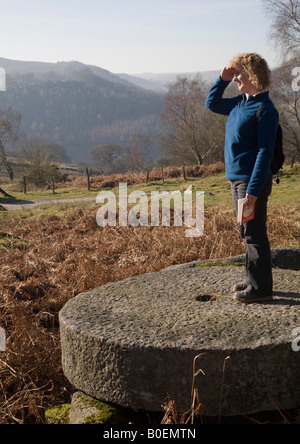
228	73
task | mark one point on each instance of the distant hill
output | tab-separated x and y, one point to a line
159	81
61	71
78	106
82	106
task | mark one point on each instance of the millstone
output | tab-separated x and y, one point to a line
133	343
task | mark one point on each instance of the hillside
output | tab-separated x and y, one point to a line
79	106
31	71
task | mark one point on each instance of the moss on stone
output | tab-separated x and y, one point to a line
104	413
59	414
220	264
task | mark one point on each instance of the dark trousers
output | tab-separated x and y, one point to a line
258	254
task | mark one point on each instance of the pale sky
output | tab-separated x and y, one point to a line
135	36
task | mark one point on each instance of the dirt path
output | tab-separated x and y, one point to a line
24	205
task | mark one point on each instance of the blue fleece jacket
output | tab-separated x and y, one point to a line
249	142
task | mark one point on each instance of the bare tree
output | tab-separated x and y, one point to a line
138	153
105	155
34	150
10	122
285	28
285	33
38	150
190	136
39	154
288	103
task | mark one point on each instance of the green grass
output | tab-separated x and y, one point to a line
17	217
287	191
60	193
216	188
11	242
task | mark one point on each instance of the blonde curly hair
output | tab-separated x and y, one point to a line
255	67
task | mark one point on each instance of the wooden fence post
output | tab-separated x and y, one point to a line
52	183
88	179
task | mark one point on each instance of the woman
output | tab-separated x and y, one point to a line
249	145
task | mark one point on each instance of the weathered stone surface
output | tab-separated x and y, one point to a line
87	410
133	342
287	258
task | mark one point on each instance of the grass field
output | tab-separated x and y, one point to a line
53	252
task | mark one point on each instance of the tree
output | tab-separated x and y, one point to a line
40	154
190	135
285	28
105	155
285	32
38	149
288	103
57	153
138	153
10	122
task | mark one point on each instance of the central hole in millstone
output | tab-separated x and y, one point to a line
205	298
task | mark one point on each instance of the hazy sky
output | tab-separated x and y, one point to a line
135	36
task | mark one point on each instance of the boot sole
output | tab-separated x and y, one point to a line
250	300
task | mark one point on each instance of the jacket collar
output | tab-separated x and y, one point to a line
260	97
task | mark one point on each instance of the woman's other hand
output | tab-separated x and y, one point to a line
251	199
228	73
